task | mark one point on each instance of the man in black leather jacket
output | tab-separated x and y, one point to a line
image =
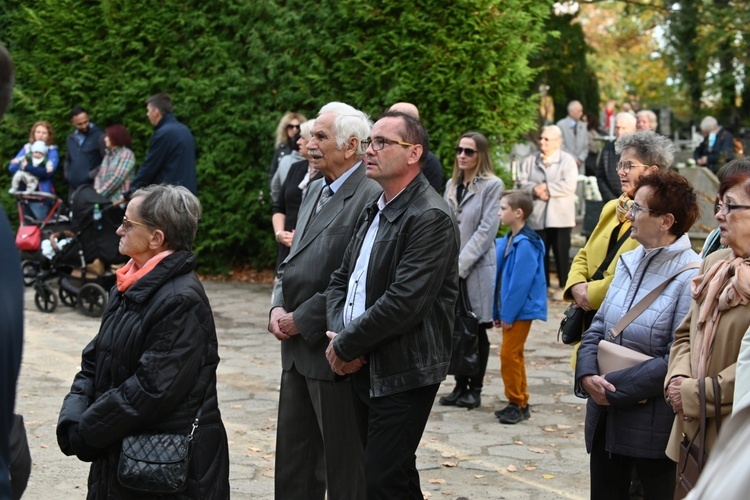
392	306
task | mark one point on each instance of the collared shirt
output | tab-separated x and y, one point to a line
711	139
356	294
80	137
335	185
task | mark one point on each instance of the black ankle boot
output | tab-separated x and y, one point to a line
471	398
450	399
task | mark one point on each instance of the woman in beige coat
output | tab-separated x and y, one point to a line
707	342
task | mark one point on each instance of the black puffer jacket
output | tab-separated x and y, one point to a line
149	368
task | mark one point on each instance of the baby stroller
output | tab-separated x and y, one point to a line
32	231
81	258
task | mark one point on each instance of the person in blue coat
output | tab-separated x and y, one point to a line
520	298
171	152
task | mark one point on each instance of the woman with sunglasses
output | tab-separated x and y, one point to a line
551	178
627	419
473	193
152	366
286	131
707	343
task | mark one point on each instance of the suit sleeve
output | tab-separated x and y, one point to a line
421	269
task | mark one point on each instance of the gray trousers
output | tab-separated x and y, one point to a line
317	441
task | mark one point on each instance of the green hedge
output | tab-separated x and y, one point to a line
234	67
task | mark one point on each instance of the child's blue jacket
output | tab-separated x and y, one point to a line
520	284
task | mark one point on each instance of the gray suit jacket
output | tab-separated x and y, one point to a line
317	251
576	144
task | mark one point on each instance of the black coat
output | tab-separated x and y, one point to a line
170	158
149	368
722	152
81	159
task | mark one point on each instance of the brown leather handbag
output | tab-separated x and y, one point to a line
693	452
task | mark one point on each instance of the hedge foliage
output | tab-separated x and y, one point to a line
233	67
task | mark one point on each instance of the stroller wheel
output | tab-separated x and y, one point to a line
92	299
67	298
44	298
30	269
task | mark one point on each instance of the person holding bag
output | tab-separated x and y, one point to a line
641	153
149	376
473	194
707	343
627	419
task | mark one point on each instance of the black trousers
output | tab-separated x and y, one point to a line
611	473
477	381
390	428
557	239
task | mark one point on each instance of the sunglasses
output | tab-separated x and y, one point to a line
290	127
467	151
128	224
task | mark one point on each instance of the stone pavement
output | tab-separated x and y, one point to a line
463	454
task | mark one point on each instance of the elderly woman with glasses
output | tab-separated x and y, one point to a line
473	193
707	343
551	177
642	153
627	419
152	366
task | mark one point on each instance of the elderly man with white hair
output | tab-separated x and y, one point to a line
551	177
575	137
717	147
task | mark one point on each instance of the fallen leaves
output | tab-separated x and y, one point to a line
436	480
538	450
449	464
512	468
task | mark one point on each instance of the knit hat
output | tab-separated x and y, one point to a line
39	147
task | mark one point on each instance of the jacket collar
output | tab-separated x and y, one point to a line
399	205
633	259
178	263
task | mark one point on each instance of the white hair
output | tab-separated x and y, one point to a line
708	124
349	122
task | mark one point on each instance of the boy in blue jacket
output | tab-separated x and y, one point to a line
520	298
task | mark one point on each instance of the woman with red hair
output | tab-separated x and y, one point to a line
116	172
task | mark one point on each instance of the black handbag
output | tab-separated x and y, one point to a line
156	462
465	348
575	320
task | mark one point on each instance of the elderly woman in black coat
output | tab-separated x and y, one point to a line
152	366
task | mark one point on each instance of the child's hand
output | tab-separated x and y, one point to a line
506	326
497	324
24	163
15	161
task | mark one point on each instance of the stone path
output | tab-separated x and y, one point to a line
463	454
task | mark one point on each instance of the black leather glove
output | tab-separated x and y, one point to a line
83	451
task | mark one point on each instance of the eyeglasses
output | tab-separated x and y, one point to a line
626	166
467	151
291	126
128	223
636	208
726	208
378	143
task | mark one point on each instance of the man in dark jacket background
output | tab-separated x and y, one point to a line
84	149
11	306
717	147
171	152
390	306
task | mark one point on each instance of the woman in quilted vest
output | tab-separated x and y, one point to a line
628	422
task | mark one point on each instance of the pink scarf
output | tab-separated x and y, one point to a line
725	285
130	272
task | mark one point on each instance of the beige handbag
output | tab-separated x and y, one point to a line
612	356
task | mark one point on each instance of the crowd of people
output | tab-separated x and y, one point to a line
374	253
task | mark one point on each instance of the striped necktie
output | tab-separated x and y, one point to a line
325	195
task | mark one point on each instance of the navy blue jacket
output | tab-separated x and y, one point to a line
722	152
11	341
170	158
81	160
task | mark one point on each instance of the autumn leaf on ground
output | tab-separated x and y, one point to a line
538	450
512	468
529	467
437	481
449	464
518	442
447	454
479	476
563	426
234	407
548	429
547	476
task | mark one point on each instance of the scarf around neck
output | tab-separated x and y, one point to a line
128	274
726	284
623	207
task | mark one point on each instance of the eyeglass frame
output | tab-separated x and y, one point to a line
128	223
636	209
290	126
621	166
468	151
383	142
719	208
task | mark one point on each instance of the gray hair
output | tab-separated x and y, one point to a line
554	129
708	124
172	209
305	129
652	119
628	116
649	147
349	122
